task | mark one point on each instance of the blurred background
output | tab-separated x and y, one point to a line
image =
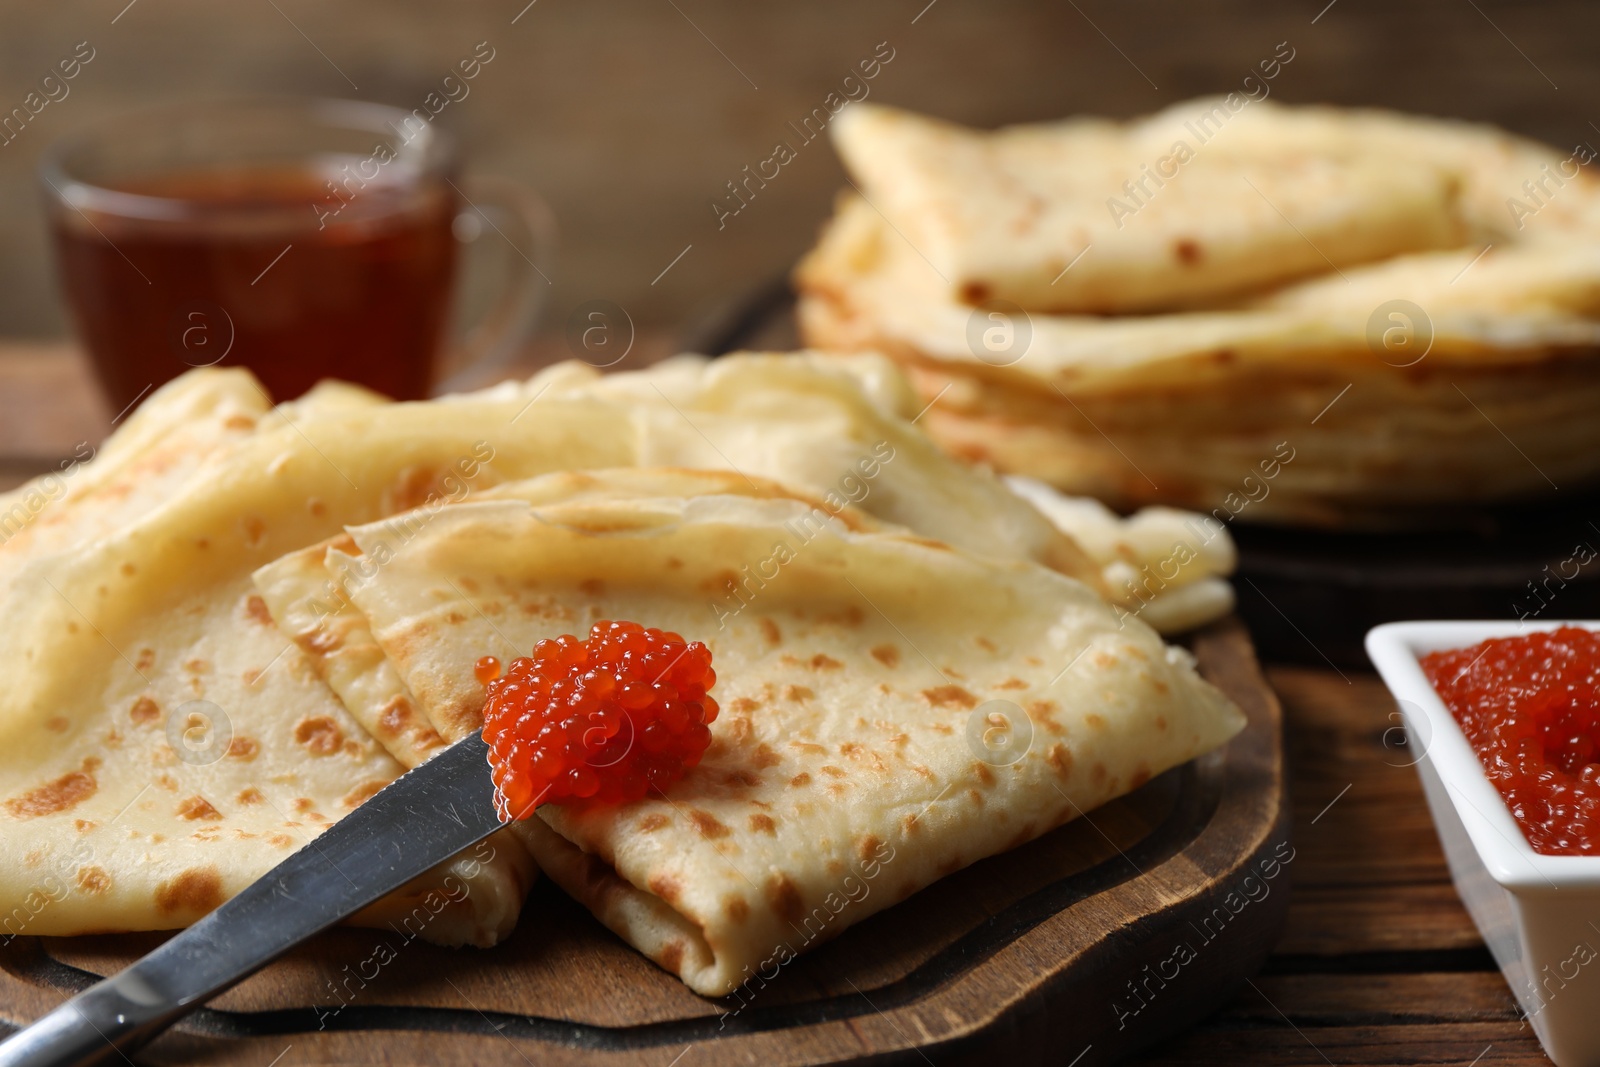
631	116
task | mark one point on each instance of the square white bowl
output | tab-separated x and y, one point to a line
1540	915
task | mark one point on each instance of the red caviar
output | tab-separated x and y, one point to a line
1530	707
602	720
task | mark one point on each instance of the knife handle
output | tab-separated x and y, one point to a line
92	1028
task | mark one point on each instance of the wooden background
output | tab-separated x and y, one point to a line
632	114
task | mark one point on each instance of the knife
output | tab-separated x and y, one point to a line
417	821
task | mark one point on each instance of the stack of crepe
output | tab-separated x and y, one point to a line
239	621
1162	310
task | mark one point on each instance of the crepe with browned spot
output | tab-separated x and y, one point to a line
853	676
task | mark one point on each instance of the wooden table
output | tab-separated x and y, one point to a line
1379	962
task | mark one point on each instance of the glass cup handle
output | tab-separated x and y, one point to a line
498	207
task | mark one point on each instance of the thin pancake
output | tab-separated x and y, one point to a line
850	679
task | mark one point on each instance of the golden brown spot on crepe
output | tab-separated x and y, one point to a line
653	822
742	779
974	293
362	793
196	890
145	660
239	422
834	772
468	583
255	530
316	507
820	662
986	644
1161	723
800	779
197	807
672	957
319	734
128	571
1059	758
797	692
762	824
1094	721
809	746
592	587
736	907
72	627
708	824
976	798
83	826
242	747
197	666
1187	250
674	563
57	724
984	774
93	880
394	716
945	696
278	840
910	824
769	630
941	728
1224	357
251	676
887	655
1012	683
784	898
764	757
1141	775
144	711
1097	773
852	615
1103	659
324	639
34	858
866	846
60	794
352	748
455	618
666	887
743	704
303	804
249	796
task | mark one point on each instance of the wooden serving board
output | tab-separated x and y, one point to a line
1081	947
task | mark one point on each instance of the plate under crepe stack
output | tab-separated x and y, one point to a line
1292	315
239	621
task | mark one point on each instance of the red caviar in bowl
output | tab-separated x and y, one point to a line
600	721
1530	707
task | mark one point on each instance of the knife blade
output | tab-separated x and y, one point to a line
419	820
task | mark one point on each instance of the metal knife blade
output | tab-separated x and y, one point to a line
417	821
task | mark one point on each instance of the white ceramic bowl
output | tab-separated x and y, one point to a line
1539	914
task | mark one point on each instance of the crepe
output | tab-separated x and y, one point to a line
1091	216
849	677
1194	409
116	636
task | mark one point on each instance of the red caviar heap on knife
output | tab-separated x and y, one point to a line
602	721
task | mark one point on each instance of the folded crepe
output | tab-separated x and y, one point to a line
1092	216
164	744
859	668
1192	409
